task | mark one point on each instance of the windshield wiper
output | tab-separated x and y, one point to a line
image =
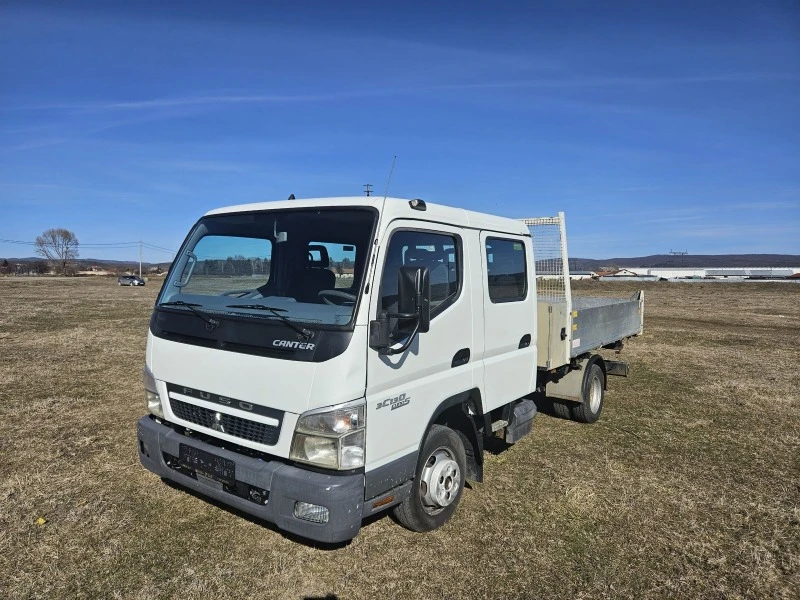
277	313
211	324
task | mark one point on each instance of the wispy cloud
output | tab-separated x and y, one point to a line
703	210
208	166
555	83
765	205
57	193
738	231
202	101
679	219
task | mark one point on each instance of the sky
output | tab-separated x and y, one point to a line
654	126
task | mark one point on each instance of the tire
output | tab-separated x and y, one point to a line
561	409
593	393
438	483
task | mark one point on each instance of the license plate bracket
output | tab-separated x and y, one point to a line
207	464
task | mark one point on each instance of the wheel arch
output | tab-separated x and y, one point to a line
598	360
454	412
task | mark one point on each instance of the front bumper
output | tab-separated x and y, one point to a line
342	495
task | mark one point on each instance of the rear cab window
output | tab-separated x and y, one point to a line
506	270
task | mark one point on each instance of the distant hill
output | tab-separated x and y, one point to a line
575	264
85	263
689	261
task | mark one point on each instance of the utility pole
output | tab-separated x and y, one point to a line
679	253
140	259
368	189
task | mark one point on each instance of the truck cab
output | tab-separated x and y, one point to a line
313	362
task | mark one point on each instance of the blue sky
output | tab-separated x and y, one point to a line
653	126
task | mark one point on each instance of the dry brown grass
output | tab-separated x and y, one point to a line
686	488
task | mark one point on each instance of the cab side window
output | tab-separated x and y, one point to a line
506	270
437	251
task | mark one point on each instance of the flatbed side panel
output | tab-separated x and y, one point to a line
597	322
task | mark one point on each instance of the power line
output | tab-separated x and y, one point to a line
154	247
109	245
97	245
112	245
18	242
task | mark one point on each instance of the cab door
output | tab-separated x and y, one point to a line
509	309
404	389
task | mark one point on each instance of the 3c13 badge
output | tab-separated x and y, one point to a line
396	402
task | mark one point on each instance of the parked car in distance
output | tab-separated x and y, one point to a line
130	280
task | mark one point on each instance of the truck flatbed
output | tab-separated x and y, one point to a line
572	326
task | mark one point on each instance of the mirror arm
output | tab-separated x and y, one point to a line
402	315
389	351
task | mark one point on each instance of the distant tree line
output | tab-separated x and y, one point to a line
240	266
234	266
35	267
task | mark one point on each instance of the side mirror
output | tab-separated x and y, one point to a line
414	311
414	296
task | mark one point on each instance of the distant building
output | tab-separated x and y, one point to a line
730	273
625	275
582	274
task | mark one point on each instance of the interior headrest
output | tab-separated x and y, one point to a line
427	257
324	260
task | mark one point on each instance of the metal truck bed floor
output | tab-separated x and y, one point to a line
597	322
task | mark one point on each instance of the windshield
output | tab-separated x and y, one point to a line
295	266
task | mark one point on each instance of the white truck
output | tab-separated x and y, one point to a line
314	362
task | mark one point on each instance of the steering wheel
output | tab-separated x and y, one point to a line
325	294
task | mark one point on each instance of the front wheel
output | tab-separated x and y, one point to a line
438	483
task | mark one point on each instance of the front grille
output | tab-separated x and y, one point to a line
245	429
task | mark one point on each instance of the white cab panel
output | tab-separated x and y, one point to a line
509	370
424	373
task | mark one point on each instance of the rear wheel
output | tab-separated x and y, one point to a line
593	393
438	483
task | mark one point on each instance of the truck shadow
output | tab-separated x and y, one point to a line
495	446
544	405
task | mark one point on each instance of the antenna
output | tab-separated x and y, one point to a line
388	181
368	189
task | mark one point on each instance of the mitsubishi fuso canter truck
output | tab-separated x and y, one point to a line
314	362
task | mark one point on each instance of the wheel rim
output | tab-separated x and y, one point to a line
595	394
440	481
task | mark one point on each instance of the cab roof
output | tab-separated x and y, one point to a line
392	208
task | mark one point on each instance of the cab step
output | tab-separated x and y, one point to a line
498	425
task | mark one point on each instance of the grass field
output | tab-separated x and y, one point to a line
688	487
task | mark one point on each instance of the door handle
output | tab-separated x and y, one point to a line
525	341
460	358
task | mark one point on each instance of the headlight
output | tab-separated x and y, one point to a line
332	438
151	396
